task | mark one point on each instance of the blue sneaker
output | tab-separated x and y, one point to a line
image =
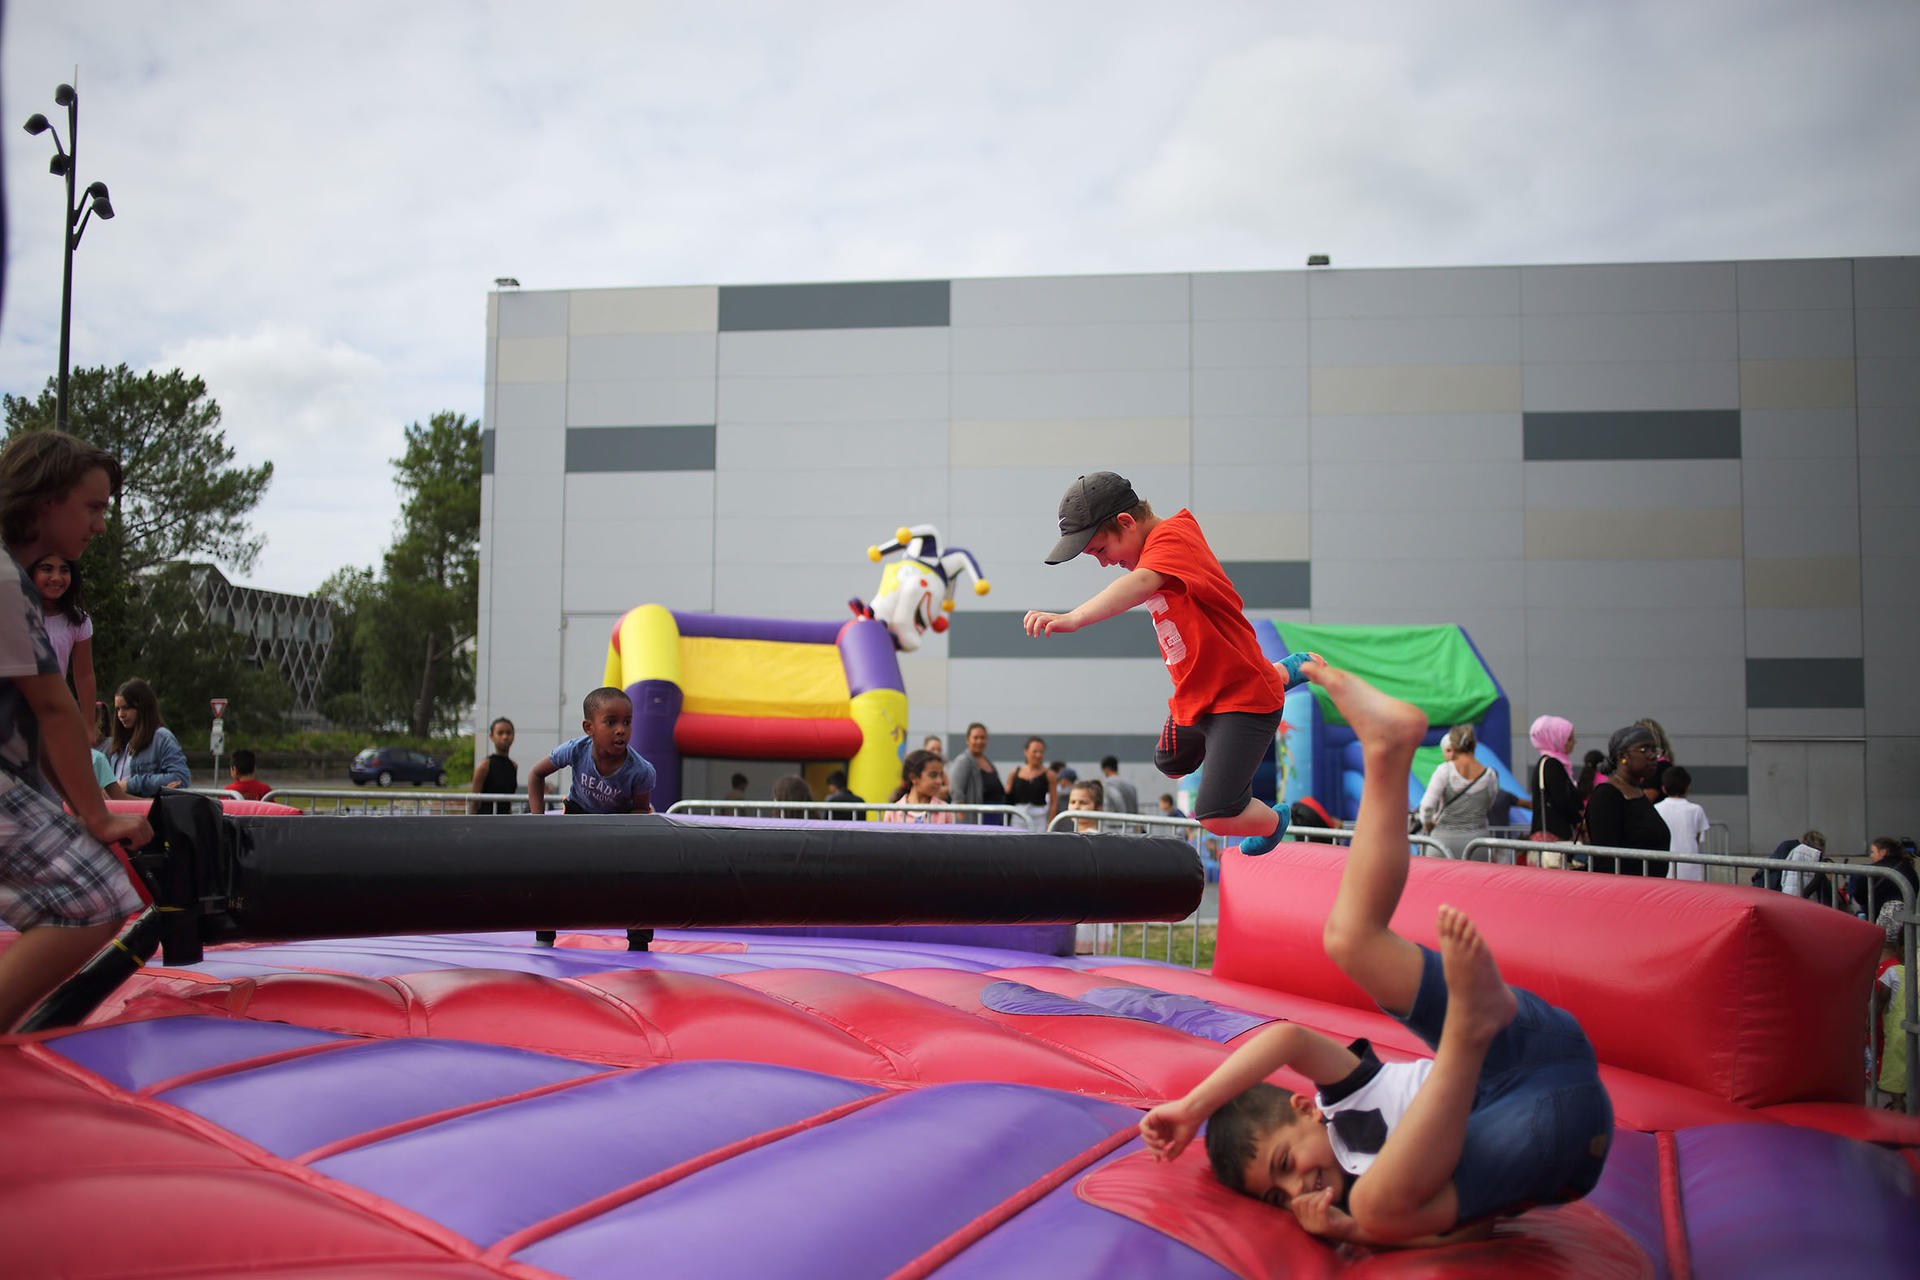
1291	665
1254	846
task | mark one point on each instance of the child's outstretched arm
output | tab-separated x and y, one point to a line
537	776
1118	596
1169	1127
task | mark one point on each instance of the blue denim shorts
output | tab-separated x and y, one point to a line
1541	1121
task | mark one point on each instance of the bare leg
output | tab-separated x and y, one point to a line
1417	1162
1257	819
1358	936
41	960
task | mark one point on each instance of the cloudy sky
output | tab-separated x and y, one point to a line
313	200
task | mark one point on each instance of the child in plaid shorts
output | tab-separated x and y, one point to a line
60	885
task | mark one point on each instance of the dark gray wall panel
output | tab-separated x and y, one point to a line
1806	682
1718	779
486	452
1653	434
1272	584
991	634
640	448
893	304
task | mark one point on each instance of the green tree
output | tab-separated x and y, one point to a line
183	499
343	697
409	655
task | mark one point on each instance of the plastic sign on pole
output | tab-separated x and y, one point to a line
217	740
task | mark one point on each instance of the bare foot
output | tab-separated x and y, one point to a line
1476	994
1382	723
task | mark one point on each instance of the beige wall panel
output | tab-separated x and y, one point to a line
1071	442
1803	582
1438	388
1260	535
688	310
1796	384
1685	533
532	360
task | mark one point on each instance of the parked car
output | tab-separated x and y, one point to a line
387	765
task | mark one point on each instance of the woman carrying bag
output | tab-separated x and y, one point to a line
1556	802
1454	810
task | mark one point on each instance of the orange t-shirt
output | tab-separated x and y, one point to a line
1209	646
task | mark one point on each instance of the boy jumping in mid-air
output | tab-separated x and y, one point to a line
1226	699
608	776
1509	1112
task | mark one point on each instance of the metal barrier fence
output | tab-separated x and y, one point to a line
1187	828
1910	990
775	808
389	804
1067	819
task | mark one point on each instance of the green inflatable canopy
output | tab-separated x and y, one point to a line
1434	668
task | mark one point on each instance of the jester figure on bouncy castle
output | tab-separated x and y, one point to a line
909	585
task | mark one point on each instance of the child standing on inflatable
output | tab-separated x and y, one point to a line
1226	699
1508	1113
608	776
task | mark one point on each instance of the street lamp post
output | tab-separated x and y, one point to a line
65	164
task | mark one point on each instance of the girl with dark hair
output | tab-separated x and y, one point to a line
146	756
1591	771
791	787
922	775
70	630
1619	815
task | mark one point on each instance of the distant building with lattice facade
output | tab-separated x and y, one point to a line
292	631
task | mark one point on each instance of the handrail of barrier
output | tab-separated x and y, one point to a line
225	793
1337	835
1910	1021
731	808
1063	820
381	800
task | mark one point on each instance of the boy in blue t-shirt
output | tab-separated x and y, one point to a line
608	775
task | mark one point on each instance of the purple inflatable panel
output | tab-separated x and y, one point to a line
135	1055
1062	1237
1629	1193
1773	1200
1040	939
365	1087
912	1169
867	653
499	1171
723	627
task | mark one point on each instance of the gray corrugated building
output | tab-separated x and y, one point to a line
1685	490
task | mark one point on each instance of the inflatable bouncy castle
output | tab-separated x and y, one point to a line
910	586
1436	668
735	1105
705	684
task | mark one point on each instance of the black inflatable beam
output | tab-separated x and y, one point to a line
295	878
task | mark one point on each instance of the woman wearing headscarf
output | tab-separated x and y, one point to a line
1619	815
1556	805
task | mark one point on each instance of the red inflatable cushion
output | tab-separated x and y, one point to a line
1741	993
1258	1242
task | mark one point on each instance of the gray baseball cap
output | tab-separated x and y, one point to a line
1091	501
